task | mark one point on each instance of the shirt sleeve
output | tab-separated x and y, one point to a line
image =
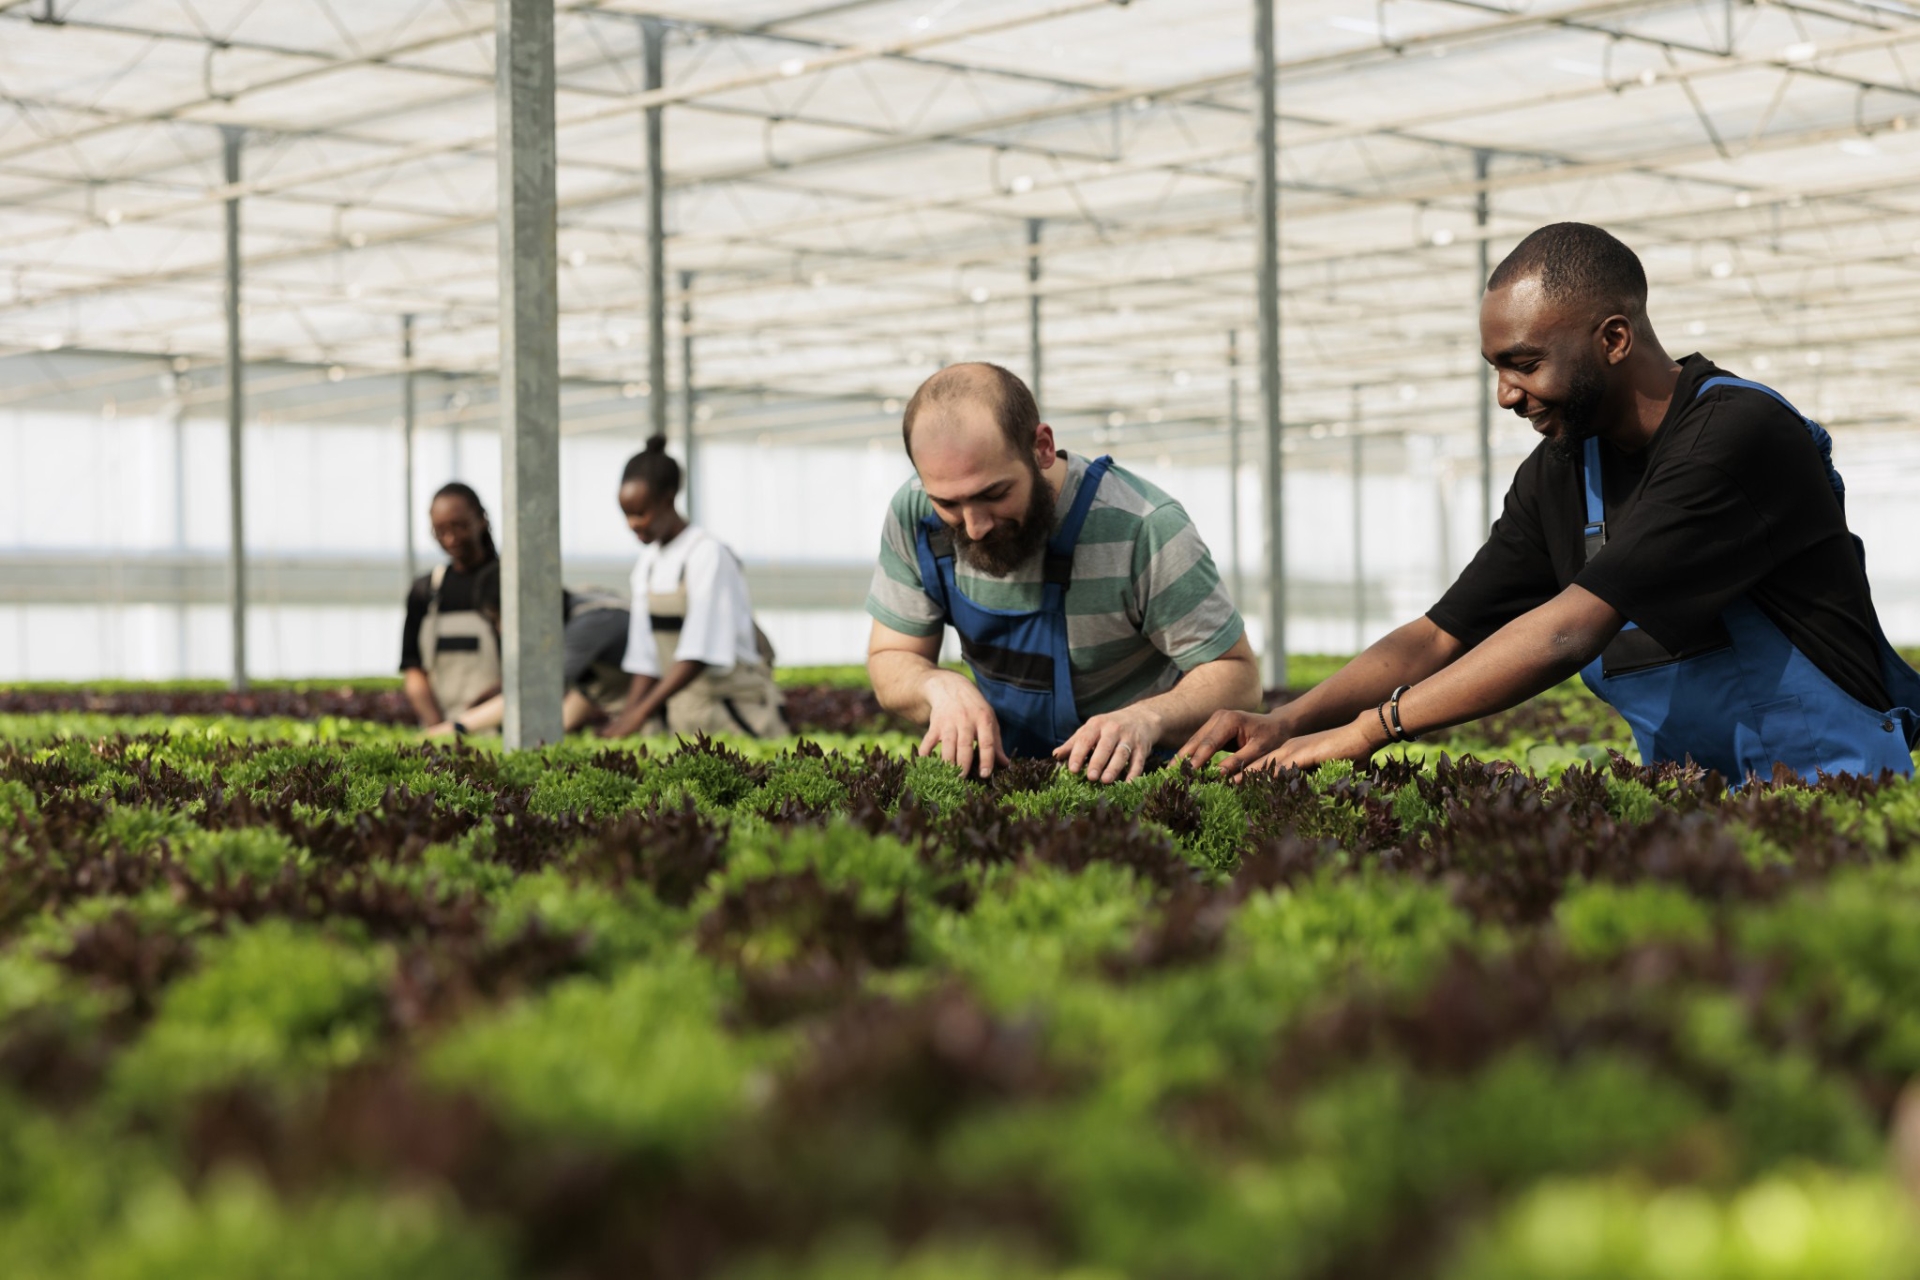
1511	574
1184	609
642	656
410	659
897	598
593	637
715	588
1710	522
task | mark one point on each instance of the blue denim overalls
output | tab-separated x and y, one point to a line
1756	700
1019	660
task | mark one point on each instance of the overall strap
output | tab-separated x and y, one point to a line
434	579
935	548
1596	525
1059	566
1821	440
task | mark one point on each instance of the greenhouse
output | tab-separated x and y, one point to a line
944	639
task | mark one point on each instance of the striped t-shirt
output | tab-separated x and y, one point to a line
1145	603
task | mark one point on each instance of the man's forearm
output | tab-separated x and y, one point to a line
1405	655
1231	683
1528	656
899	683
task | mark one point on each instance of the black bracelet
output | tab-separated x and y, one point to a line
1400	733
459	730
1385	728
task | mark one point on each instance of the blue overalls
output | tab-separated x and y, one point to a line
1750	699
1019	660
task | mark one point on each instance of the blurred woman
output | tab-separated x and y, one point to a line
449	653
592	646
693	650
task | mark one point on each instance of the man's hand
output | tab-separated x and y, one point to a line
961	724
444	729
1247	735
1113	746
1356	741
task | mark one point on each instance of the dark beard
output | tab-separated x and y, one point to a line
1006	549
1579	415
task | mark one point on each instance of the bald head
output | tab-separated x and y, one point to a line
968	404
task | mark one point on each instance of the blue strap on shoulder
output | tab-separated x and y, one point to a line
1595	532
1821	440
1067	536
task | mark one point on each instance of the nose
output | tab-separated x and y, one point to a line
1509	395
979	524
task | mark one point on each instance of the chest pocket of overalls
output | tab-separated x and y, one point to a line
460	651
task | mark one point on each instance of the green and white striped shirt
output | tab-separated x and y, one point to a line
1144	606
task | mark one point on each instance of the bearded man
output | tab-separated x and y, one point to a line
1679	538
1087	605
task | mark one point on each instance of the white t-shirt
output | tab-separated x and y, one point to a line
719	625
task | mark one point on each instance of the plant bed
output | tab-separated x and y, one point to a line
756	1010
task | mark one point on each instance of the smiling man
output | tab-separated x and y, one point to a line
1086	603
1679	538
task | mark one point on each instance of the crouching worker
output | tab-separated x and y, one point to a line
697	662
1086	603
592	646
1678	537
449	652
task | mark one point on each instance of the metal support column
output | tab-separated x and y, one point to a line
1233	469
406	439
1267	282
1359	525
687	401
1480	211
182	385
232	140
1033	312
530	646
653	38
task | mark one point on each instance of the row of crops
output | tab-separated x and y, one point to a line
298	999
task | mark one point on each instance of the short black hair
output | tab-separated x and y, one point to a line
1579	262
1001	389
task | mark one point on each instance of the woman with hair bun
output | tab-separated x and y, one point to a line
698	662
449	654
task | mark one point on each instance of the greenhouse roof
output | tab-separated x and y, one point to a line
855	191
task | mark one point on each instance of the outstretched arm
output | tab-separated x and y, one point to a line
648	697
1526	657
1406	655
1118	744
420	697
908	681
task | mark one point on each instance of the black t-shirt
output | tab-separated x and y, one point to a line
456	594
1729	499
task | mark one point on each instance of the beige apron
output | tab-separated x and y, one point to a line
743	700
460	653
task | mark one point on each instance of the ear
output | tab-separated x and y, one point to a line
1044	451
1616	338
